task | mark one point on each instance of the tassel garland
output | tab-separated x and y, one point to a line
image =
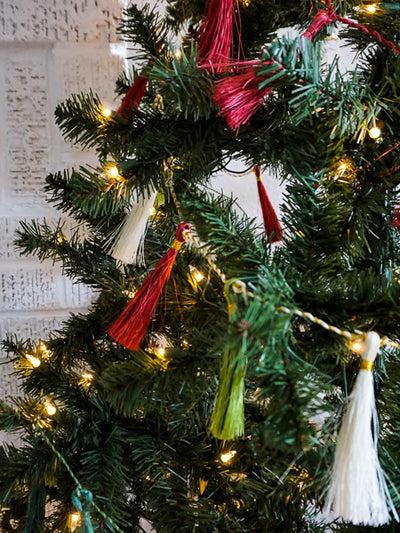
133	97
129	246
130	327
239	97
358	491
215	36
272	226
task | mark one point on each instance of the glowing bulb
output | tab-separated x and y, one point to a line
113	171
46	353
228	456
375	132
152	211
160	352
178	53
198	276
106	112
87	376
50	408
357	346
371	9
74	520
34	361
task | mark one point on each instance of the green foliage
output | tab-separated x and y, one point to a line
134	427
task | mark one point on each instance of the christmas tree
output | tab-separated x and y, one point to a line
209	386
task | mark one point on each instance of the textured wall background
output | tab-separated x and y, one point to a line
48	50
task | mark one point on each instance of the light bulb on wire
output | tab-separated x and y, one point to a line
375	132
34	361
50	408
106	112
371	9
113	171
357	345
228	456
74	520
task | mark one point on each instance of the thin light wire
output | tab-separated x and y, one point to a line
109	520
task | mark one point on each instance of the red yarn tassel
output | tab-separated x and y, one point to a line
133	97
273	229
215	36
130	327
239	97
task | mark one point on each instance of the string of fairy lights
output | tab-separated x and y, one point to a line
355	338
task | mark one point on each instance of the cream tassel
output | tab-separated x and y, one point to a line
129	245
358	491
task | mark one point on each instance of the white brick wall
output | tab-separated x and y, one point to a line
49	49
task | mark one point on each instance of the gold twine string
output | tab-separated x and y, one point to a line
240	287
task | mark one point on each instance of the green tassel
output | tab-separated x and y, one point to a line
83	509
227	420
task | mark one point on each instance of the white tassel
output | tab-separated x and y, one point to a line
129	245
358	491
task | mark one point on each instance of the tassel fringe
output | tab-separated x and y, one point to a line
239	97
133	97
358	491
215	36
129	245
273	229
130	328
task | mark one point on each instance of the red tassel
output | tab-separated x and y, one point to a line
273	229
239	97
133	97
130	327
320	20
215	36
395	220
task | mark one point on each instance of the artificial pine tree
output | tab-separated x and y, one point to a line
223	414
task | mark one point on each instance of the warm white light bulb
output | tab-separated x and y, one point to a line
160	351
87	376
357	346
106	112
152	211
34	361
50	408
228	456
375	132
74	520
113	171
371	9
178	53
198	276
